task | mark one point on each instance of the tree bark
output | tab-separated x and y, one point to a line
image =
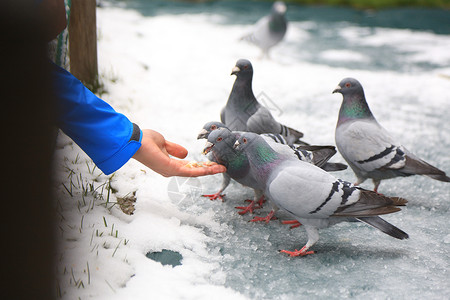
83	42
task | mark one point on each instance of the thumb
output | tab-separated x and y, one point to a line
176	150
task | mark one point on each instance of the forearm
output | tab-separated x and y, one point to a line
108	137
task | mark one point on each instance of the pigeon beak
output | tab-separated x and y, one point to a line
208	147
235	70
203	134
236	145
337	89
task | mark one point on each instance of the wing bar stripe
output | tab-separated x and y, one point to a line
377	156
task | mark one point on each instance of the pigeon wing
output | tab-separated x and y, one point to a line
222	115
368	146
262	121
304	190
259	33
370	204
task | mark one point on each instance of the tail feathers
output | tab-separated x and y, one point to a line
317	148
322	155
333	167
248	38
371	197
385	227
398	201
417	166
297	134
366	211
301	143
443	178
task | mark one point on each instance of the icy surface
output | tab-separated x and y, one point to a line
167	68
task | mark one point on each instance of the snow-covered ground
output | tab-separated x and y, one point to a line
170	73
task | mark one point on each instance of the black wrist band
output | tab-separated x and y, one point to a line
136	135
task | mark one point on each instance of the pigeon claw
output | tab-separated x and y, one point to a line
213	197
293	223
249	208
265	219
261	201
301	252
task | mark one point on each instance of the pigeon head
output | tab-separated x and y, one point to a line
354	105
243	68
208	128
349	86
258	152
279	8
220	139
245	140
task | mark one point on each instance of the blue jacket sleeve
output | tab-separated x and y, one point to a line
108	137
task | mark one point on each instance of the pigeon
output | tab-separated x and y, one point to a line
220	148
313	196
270	29
367	147
244	113
204	134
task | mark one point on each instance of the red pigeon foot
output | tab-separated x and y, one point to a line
301	252
249	208
294	223
265	219
261	201
215	196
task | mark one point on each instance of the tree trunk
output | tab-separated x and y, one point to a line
83	42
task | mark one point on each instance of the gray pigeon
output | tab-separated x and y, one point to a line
367	147
220	149
216	156
314	197
269	30
244	113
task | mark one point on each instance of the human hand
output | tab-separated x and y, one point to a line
154	153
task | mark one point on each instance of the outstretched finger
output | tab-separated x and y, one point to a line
176	150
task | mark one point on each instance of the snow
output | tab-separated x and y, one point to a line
342	55
170	73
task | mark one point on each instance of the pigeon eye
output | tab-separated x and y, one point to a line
244	140
348	84
219	139
246	67
213	127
